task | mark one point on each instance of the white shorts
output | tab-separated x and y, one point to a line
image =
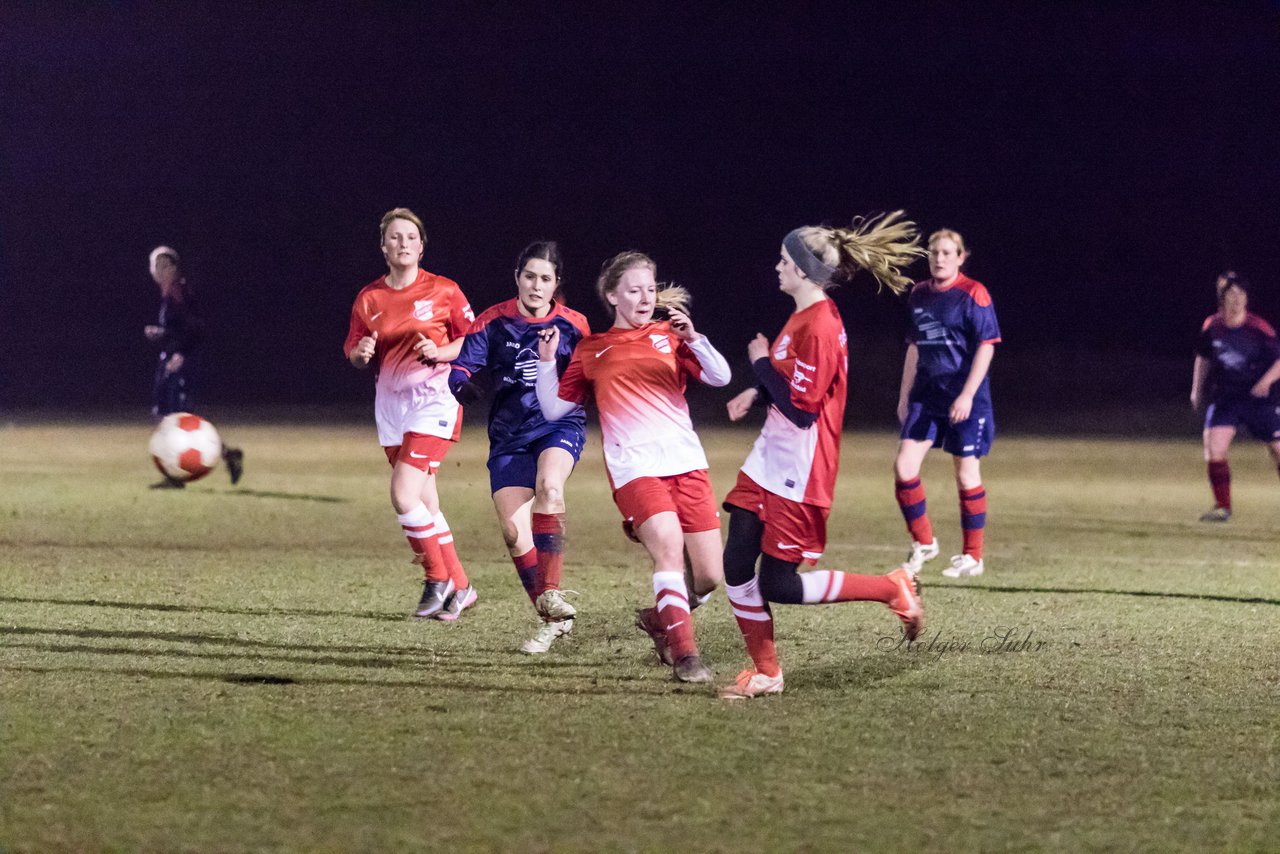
421	409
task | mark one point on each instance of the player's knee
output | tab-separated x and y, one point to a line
779	582
550	492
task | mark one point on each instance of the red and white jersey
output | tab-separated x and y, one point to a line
432	305
638	377
801	464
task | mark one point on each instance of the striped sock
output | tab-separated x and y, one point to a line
444	537
755	621
527	568
829	585
973	519
548	540
419	530
910	495
1220	480
673	610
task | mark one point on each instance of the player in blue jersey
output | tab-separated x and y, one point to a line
530	458
1236	368
945	400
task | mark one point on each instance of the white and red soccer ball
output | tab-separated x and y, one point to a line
185	447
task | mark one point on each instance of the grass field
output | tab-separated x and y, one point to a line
232	669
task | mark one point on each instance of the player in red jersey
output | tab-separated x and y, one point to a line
944	400
778	509
409	324
1236	369
637	371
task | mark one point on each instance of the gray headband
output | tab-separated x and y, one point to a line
811	265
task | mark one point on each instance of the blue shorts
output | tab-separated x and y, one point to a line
1260	415
520	466
970	438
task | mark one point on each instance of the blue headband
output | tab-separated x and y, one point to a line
811	265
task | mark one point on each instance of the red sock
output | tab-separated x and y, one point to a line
673	610
755	621
527	568
910	495
419	527
827	585
1220	480
973	519
452	564
548	540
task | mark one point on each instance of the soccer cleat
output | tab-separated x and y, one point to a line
919	554
552	606
458	601
234	458
752	683
434	596
547	632
647	621
963	566
1217	514
691	669
907	604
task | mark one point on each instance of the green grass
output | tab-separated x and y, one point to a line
231	669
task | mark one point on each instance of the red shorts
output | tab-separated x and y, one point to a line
688	495
794	532
420	451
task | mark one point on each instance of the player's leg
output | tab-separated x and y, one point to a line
909	490
1217	444
750	610
662	537
514	505
407	486
973	518
555	464
781	583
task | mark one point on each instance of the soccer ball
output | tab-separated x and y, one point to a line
185	447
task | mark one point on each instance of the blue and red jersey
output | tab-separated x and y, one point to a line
504	343
948	326
1239	356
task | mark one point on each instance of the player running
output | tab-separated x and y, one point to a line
1236	368
530	458
778	509
409	324
945	400
638	371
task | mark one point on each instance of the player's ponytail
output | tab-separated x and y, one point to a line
672	297
882	245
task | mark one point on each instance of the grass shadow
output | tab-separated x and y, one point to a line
289	496
1099	591
203	609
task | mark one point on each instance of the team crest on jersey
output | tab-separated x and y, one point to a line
661	343
422	309
780	351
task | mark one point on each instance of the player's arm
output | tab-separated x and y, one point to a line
472	358
713	367
1262	387
909	364
963	404
551	390
1199	380
360	344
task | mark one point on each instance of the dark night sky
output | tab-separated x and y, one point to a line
1104	160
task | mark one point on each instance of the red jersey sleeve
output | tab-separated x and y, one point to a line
574	383
357	328
686	361
460	314
815	368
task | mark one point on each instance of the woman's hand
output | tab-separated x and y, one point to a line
682	326
1261	389
961	407
426	349
153	333
758	348
548	343
362	353
174	364
741	404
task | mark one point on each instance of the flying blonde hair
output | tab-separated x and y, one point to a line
882	245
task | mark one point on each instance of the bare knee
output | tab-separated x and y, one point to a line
549	495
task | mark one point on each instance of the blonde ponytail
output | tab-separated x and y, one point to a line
882	245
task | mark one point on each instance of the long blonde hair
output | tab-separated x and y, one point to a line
882	245
669	296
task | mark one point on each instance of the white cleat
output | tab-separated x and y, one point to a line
546	634
752	683
963	566
552	606
919	554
